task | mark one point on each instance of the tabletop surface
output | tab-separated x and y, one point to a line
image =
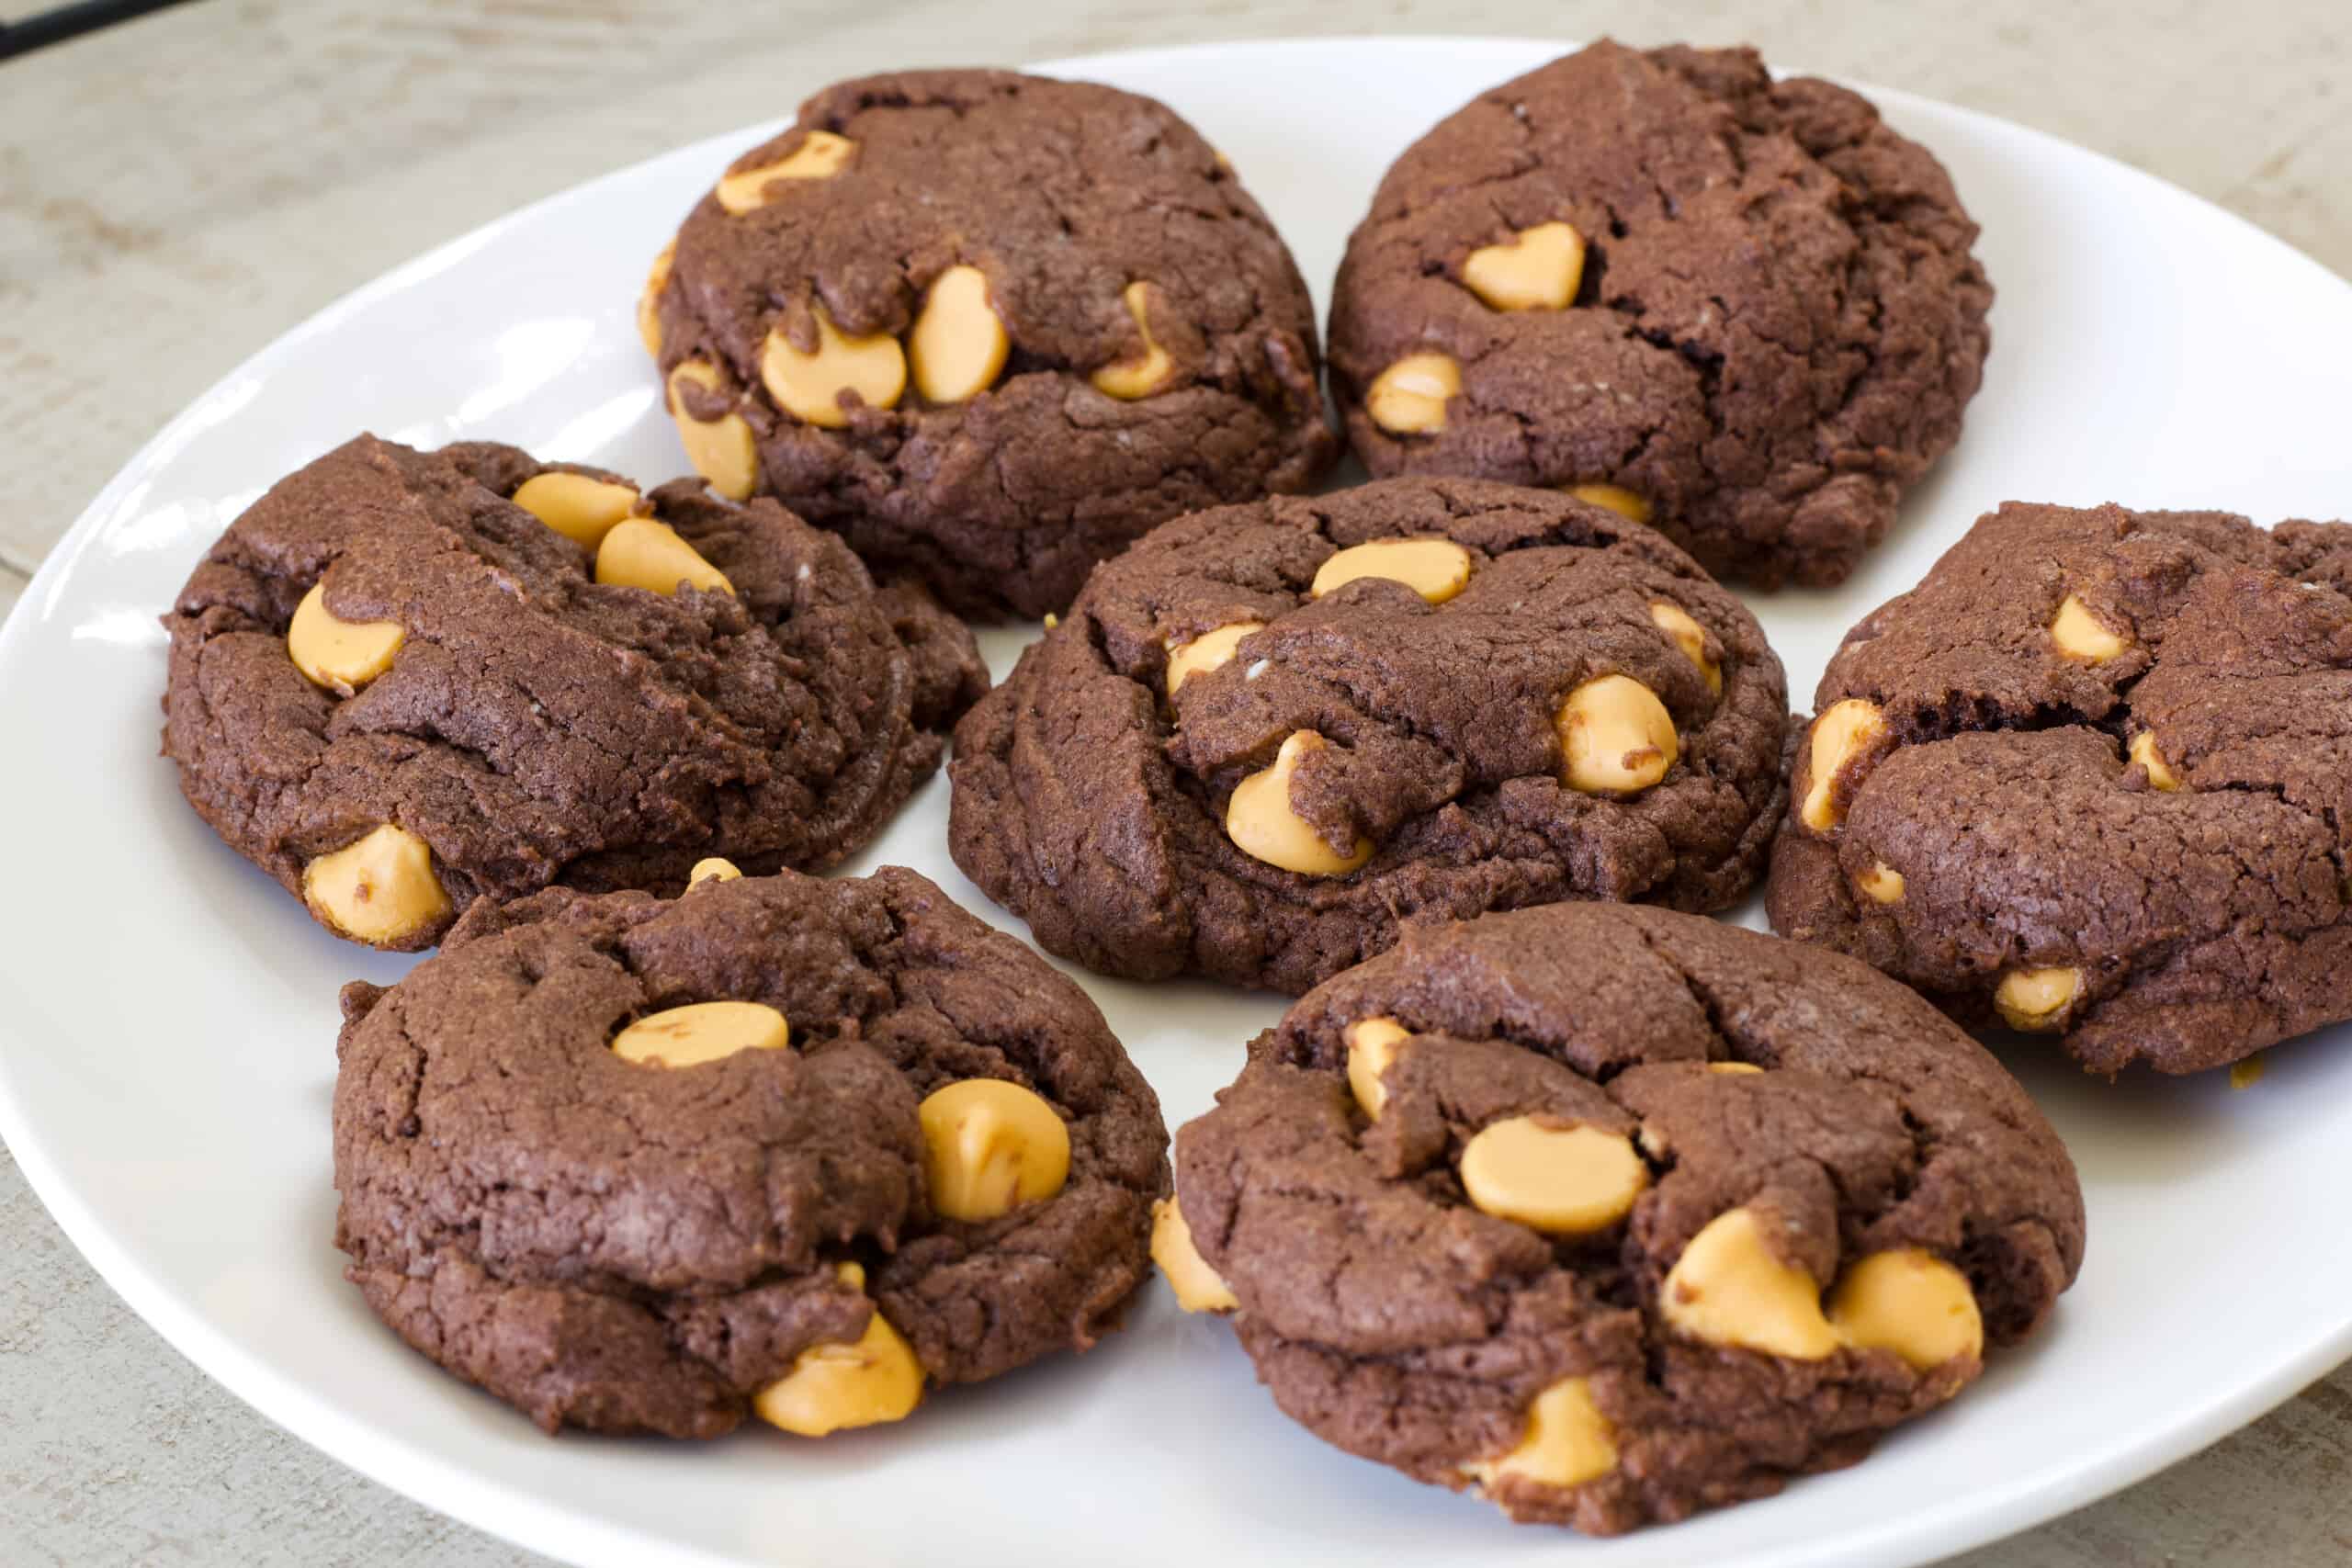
178	191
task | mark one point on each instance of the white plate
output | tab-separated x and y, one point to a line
167	1014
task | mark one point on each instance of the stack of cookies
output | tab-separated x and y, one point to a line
1547	1188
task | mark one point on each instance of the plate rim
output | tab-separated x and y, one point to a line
521	1518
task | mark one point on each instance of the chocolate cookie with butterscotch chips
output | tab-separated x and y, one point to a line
404	681
1268	738
1610	1214
991	327
2092	778
779	1146
1741	309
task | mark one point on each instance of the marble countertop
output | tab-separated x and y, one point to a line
178	191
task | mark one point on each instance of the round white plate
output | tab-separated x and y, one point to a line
167	1014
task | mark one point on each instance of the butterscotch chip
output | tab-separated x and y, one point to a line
1615	737
1616	498
1841	737
1563	1180
1690	637
1536	270
381	890
1372	1045
1410	397
340	656
649	303
581	509
644	553
988	1147
1435	568
1910	1301
833	1387
811	385
1261	823
641	1248
2078	634
1210	650
821	155
2145	751
721	450
1881	883
958	345
1144	374
2035	1000
702	1031
1728	1288
713	869
1732	1069
1196	1284
1568	1441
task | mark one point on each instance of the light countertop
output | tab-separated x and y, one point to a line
177	192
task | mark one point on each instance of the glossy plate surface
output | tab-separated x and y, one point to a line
168	1015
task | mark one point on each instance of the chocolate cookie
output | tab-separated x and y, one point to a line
991	327
781	1146
402	681
2093	777
1268	737
1611	1215
1743	311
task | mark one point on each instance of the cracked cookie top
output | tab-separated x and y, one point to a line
1613	1213
402	681
991	327
1269	736
2093	777
1744	311
781	1145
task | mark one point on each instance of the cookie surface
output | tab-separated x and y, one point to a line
1563	708
1619	1213
2093	777
991	327
1747	305
530	724
629	1246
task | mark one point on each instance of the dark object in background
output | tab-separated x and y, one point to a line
64	22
